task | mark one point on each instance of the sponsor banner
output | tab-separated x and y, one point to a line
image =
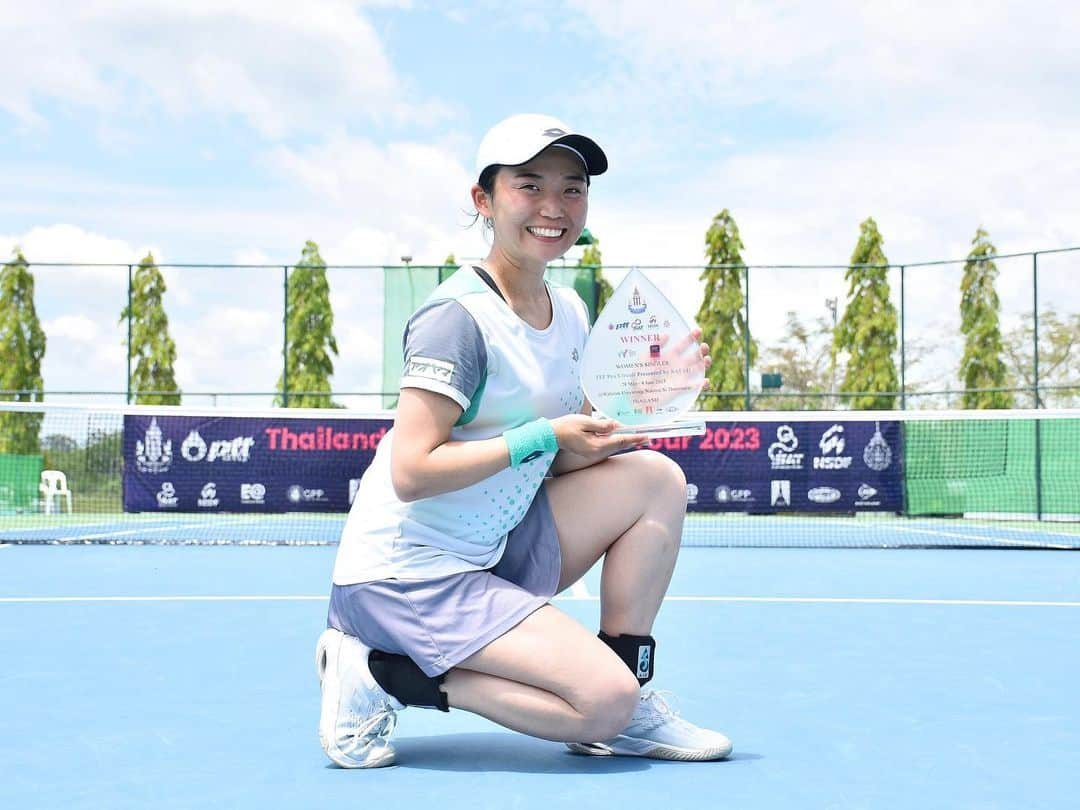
792	466
255	464
245	464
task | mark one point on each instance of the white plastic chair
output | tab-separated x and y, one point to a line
53	483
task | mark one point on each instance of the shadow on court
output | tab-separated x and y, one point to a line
516	753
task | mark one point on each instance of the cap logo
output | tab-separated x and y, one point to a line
554	132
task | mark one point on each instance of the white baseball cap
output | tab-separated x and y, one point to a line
520	138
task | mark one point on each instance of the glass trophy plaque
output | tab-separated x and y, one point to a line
642	366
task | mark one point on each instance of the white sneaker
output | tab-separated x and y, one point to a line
657	731
357	717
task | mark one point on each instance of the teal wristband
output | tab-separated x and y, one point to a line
530	441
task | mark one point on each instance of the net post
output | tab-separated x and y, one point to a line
746	338
285	339
1038	469
130	296
903	355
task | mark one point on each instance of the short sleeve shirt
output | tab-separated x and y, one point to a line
466	343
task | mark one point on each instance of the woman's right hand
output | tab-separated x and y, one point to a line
591	437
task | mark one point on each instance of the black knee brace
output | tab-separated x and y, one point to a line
399	676
637	652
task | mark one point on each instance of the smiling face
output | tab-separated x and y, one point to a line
538	208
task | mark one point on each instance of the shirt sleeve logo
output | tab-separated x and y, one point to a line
429	368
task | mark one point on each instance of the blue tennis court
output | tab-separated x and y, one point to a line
182	677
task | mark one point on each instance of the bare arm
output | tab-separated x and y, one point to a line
425	462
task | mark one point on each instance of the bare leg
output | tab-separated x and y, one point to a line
548	677
630	509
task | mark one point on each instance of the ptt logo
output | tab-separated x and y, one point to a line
195	448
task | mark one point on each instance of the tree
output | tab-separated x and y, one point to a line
154	352
449	267
804	360
22	347
721	316
591	258
982	365
310	340
1059	357
867	330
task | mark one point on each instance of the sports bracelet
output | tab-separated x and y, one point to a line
531	441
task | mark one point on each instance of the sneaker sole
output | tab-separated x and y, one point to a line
331	641
655	752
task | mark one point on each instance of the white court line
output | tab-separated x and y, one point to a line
970	536
578	590
811	600
185	526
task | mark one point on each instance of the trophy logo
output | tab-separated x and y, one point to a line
637	303
152	455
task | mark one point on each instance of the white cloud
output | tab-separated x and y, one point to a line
746	52
70	243
279	65
72	327
383	202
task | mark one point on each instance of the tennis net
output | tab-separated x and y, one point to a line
172	475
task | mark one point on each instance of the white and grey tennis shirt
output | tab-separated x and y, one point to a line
467	344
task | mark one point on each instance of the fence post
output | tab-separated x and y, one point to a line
903	352
1035	380
593	272
130	296
746	340
285	339
1035	324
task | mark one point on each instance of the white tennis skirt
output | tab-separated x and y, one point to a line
440	622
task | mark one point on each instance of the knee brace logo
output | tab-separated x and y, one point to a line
644	662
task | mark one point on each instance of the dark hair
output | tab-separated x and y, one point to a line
487	179
487	185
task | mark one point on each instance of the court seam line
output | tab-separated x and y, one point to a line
972	536
825	600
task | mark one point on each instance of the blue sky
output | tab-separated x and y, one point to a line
231	131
